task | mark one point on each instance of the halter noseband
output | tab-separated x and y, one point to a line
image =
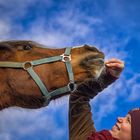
28	66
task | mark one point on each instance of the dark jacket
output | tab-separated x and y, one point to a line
81	125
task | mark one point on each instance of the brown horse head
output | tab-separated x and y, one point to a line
17	86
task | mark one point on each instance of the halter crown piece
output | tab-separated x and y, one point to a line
28	66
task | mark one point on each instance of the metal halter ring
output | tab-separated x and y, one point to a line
65	57
72	86
27	64
47	100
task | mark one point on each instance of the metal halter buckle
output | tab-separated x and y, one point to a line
27	64
65	57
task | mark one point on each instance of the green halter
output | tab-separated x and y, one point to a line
28	66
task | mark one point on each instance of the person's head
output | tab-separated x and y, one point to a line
128	127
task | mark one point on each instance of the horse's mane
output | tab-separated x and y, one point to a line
8	45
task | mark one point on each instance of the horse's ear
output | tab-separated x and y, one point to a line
5	51
5	47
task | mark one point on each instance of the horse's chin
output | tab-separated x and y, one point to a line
91	76
98	73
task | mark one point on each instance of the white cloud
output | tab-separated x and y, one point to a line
135	93
70	27
133	84
18	9
105	102
24	122
5	28
13	9
5	136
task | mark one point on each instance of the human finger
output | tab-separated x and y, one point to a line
114	60
115	65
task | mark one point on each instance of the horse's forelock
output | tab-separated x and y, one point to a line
77	46
88	48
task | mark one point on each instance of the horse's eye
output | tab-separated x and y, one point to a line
27	47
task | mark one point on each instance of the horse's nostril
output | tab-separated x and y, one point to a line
98	61
91	62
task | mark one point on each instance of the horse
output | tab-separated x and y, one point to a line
28	70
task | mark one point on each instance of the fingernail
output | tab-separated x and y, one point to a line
107	64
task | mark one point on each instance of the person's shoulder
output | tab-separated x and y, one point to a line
101	135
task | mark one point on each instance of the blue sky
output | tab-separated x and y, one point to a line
111	25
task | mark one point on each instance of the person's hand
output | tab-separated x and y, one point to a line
114	66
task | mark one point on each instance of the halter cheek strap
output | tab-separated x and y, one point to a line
28	66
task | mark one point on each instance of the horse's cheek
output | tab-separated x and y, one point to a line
21	82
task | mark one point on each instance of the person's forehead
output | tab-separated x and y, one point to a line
128	116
